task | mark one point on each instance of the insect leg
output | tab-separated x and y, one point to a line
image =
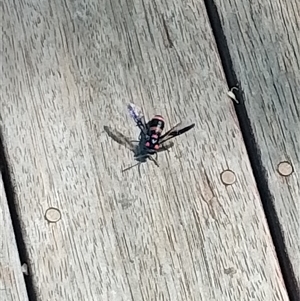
152	159
141	156
131	166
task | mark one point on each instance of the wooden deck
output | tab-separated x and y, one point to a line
69	68
263	40
12	284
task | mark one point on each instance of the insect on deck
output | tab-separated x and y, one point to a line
151	140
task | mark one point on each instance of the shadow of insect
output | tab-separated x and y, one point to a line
140	151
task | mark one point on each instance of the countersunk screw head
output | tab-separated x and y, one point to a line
52	215
285	168
228	177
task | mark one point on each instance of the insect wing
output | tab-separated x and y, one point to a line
136	113
119	138
165	146
176	130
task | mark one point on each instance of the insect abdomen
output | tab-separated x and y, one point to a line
157	125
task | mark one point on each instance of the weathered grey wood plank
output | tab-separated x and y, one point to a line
12	284
264	42
177	233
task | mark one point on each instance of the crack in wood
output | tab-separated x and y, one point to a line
169	40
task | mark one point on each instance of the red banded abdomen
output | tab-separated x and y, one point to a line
156	125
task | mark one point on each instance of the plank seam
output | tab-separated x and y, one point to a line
16	223
254	154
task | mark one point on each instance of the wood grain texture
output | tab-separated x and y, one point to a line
264	42
176	233
12	284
